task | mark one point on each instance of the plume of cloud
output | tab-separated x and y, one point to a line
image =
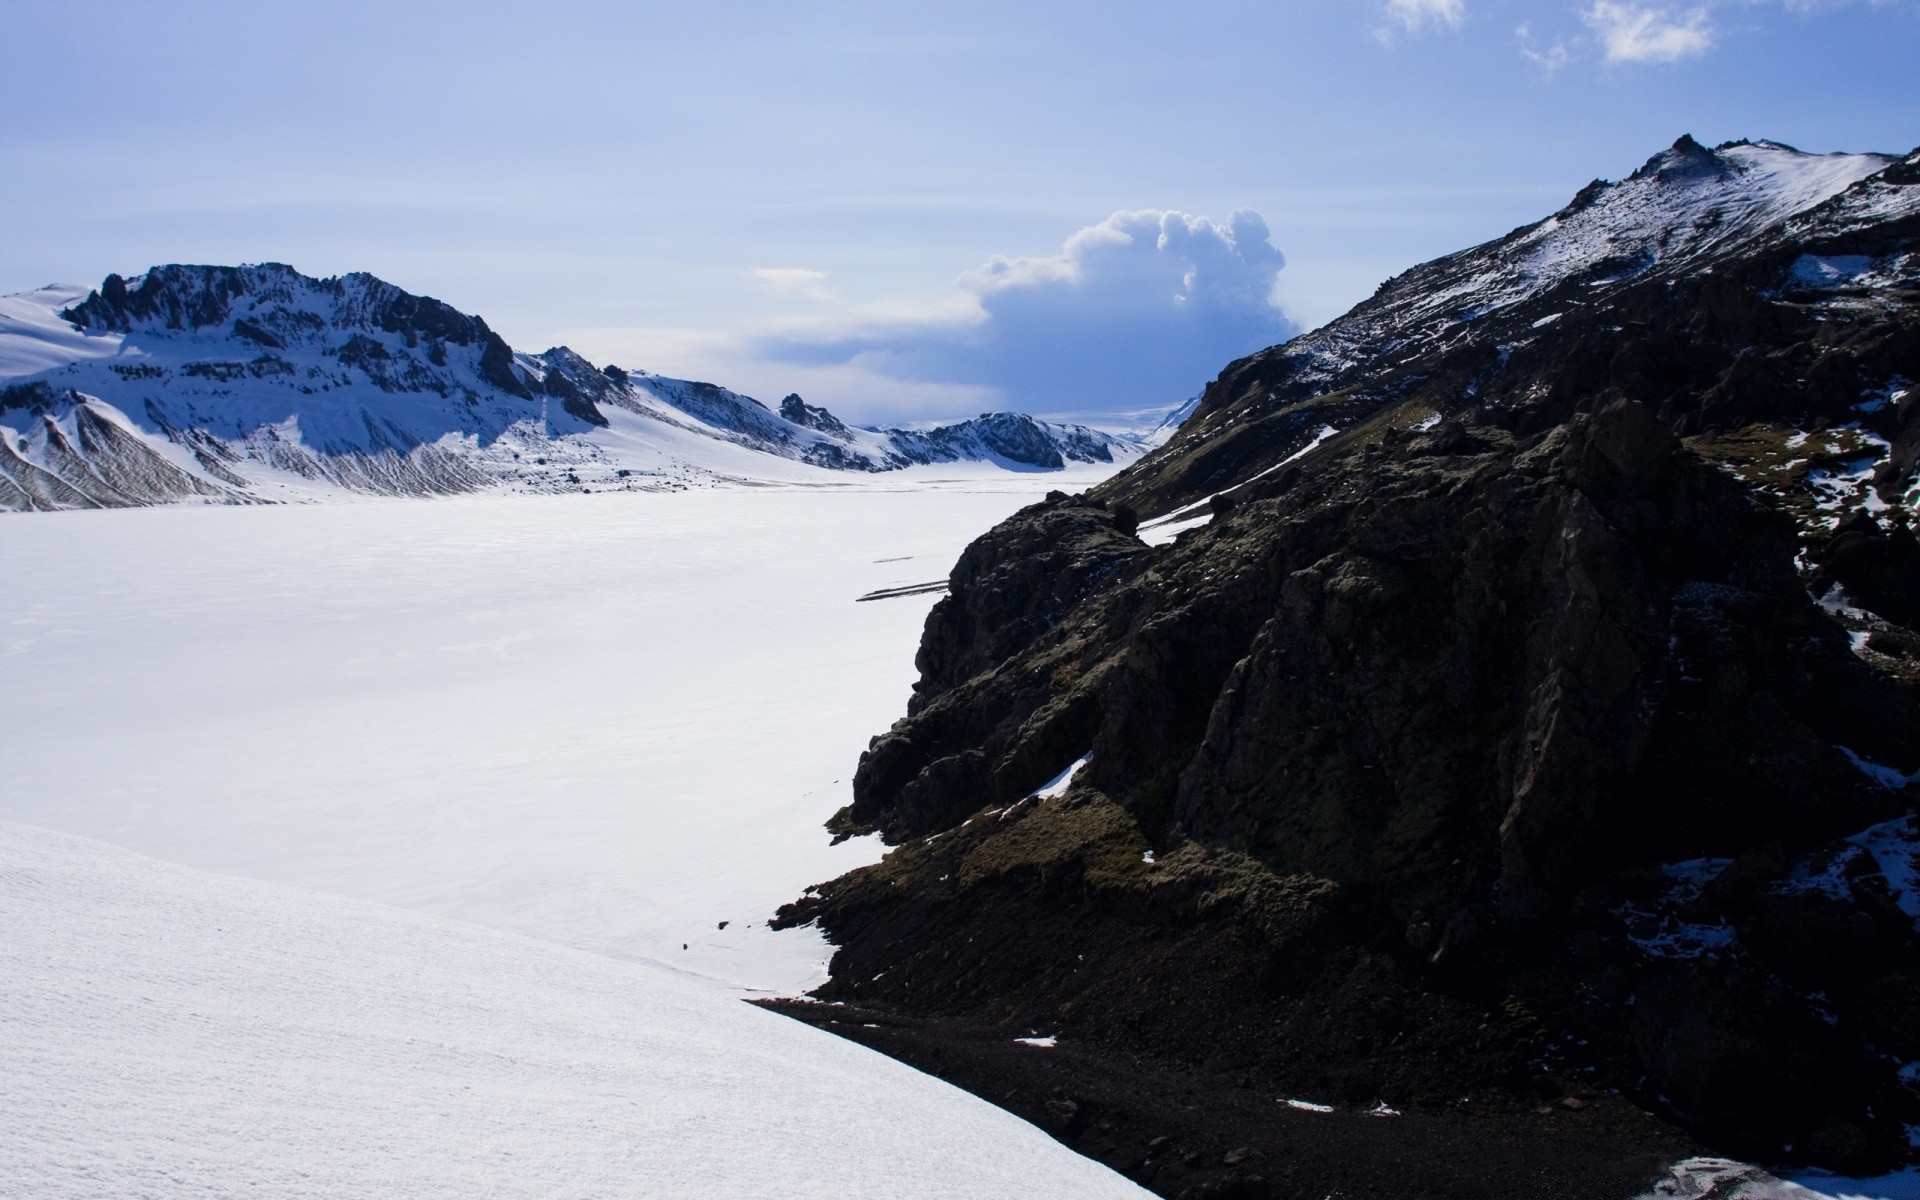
1416	15
1640	33
1140	309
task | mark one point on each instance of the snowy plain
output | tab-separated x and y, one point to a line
607	721
170	1033
601	725
598	724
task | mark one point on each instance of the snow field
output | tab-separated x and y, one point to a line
172	1034
607	721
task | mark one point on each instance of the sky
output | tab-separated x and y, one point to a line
903	213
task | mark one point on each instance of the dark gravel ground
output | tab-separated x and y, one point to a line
1185	1134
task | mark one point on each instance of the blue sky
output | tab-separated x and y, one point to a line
900	214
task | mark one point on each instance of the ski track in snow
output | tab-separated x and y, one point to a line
172	1034
606	721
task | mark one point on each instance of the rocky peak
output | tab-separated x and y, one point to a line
271	303
794	409
1685	158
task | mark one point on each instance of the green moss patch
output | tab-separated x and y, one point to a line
1092	831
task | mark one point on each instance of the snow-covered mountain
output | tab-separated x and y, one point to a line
238	384
1455	325
1170	424
1684	207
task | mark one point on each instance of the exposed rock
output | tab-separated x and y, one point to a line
1488	739
794	409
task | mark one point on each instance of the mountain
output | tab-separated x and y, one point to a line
1504	718
1447	329
240	384
1170	424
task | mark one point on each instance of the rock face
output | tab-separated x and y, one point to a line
1548	723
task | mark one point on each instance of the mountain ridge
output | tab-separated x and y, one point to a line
238	384
1511	712
1675	213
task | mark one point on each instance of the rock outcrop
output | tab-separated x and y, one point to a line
1521	711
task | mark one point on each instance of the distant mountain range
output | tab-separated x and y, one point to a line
257	383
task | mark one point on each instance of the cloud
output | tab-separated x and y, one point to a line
1141	309
1415	15
852	389
795	281
1134	313
1639	33
1549	59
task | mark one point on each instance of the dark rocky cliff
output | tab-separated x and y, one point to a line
1547	729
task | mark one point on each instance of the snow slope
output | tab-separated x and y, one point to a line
609	721
33	337
172	1034
1685	206
1446	330
236	384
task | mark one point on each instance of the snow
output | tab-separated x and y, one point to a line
1725	1179
1877	399
1866	203
1163	530
297	388
607	721
1045	1043
1690	205
1658	929
1840	489
1313	443
1830	271
1894	847
1170	424
166	1033
1059	784
1685	206
1308	1106
1887	777
33	338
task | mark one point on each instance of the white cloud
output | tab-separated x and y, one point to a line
1816	5
855	390
1139	310
1639	33
1416	15
795	281
1549	58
